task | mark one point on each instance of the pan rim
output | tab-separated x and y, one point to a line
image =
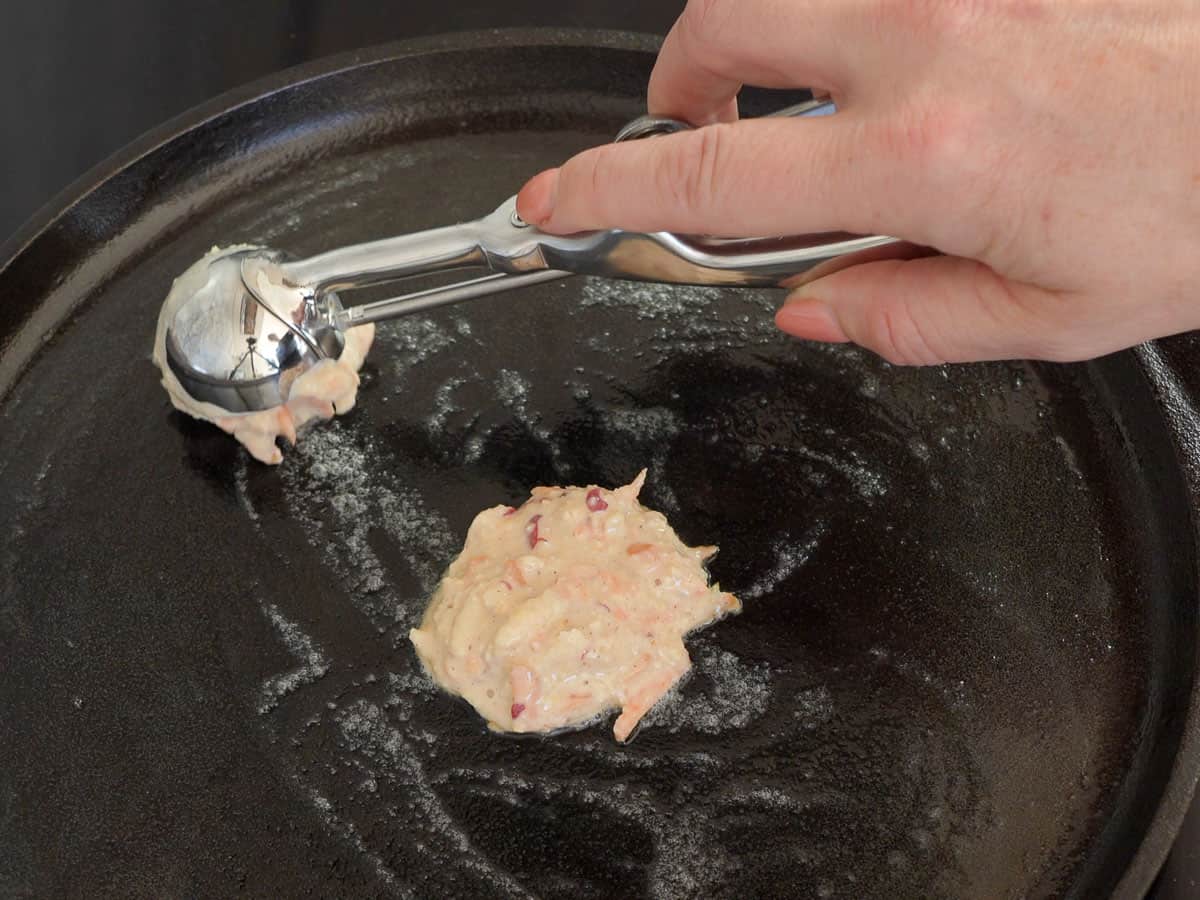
1179	792
1159	836
293	76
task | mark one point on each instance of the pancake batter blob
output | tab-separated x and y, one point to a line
326	389
574	604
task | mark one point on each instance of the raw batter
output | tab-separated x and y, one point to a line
327	389
570	606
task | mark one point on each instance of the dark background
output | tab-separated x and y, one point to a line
84	77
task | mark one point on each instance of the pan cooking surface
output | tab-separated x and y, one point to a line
936	687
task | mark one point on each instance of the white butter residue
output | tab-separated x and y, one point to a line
326	389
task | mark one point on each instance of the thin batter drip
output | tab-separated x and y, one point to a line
574	604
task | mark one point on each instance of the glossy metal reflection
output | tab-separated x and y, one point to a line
257	316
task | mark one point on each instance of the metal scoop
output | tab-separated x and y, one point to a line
255	315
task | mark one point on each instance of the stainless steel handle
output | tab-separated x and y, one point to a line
422	301
519	255
390	259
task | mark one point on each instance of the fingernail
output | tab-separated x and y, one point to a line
811	319
535	202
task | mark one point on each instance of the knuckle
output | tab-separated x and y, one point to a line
947	19
704	20
950	150
599	166
1042	325
584	185
691	175
928	135
896	335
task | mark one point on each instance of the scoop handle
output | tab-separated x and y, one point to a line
518	255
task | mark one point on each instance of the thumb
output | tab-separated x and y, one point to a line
939	309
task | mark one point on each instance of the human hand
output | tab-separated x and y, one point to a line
1049	151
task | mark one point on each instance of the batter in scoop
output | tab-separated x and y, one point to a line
326	389
574	604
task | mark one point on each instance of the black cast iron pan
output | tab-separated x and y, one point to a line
966	665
